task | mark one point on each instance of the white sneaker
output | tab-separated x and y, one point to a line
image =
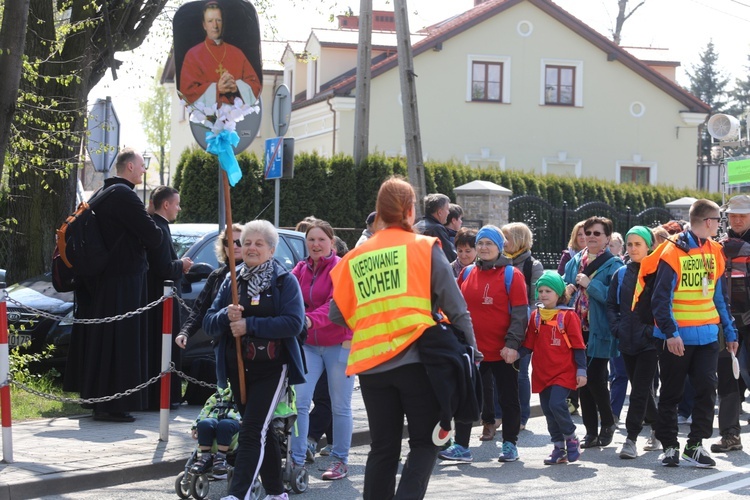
283	496
230	497
652	444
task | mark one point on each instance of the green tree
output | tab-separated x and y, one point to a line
157	120
708	83
69	46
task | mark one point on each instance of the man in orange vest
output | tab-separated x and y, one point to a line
689	302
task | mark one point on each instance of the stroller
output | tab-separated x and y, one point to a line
189	483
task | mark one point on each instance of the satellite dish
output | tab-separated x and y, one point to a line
723	127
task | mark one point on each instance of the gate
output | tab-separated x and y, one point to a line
551	226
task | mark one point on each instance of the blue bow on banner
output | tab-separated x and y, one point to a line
222	145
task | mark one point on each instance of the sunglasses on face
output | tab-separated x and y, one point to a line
237	243
595	233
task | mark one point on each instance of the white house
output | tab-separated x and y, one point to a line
511	84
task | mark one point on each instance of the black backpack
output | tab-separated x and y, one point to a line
80	250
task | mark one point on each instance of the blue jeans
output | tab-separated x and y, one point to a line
222	430
553	400
333	359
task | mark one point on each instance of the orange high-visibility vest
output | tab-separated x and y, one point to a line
382	289
690	306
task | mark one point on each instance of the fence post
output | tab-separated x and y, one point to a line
629	218
566	231
166	359
4	374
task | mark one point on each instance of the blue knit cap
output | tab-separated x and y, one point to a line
493	234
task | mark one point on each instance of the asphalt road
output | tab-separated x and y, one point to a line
600	474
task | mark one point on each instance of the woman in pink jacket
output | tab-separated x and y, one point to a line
327	347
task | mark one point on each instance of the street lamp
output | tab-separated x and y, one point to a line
146	161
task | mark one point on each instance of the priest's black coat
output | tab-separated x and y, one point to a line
109	358
163	264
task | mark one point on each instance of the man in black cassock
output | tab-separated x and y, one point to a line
109	358
163	265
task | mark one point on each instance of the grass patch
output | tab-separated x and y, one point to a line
27	406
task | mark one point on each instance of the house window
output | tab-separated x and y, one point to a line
635	175
488	78
559	85
487	81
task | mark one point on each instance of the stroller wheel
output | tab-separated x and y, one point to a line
256	490
182	486
300	480
199	486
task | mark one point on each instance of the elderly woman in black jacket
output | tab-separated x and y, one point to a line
635	341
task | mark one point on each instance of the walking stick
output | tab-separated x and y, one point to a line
233	274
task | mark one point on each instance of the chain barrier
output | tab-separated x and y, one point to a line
181	301
104	399
90	321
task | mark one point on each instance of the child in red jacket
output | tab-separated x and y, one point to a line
559	363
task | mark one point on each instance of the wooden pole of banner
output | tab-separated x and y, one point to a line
233	274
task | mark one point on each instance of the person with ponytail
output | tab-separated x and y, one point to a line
390	291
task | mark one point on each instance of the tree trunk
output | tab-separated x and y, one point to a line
12	37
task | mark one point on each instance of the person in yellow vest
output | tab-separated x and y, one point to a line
689	302
389	291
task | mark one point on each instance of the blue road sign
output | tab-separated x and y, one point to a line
274	157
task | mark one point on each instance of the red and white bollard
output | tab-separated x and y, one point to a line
166	359
4	373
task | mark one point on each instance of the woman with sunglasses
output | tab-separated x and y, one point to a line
226	251
588	275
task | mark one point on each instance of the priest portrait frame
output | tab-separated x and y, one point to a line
217	52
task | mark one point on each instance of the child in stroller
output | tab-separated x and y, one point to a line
216	430
194	480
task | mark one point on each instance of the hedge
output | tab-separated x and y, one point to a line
336	190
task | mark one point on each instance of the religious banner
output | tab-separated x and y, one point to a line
218	70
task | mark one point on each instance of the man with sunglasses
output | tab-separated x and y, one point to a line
163	265
689	303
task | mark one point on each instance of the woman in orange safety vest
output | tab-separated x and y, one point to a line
388	291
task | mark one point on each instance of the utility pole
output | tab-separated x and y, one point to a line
412	134
362	99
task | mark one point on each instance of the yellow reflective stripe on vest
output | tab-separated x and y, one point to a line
388	343
386	305
395	325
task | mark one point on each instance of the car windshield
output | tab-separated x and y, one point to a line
184	241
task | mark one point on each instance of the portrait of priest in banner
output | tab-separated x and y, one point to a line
214	71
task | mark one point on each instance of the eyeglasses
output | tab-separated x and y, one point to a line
595	233
717	219
237	243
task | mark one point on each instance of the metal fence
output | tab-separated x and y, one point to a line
551	225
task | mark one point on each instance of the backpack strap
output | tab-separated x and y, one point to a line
528	265
619	276
561	327
508	281
465	271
